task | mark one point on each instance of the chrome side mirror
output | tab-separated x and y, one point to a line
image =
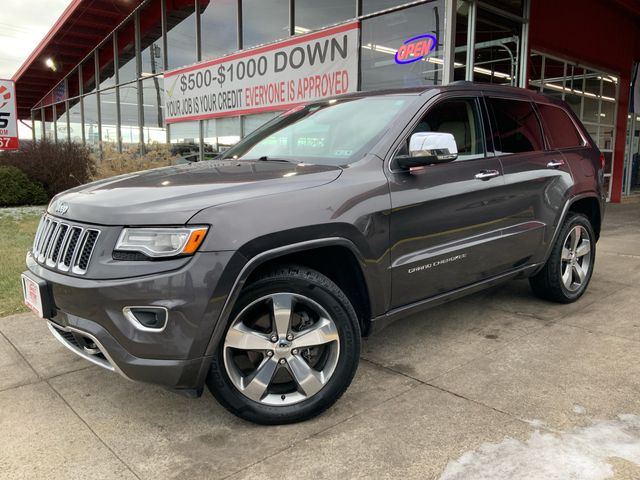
426	148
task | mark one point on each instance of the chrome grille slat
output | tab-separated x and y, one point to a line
43	233
45	241
36	240
64	246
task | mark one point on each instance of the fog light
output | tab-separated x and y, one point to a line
147	319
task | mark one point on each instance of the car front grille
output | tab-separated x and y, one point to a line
64	246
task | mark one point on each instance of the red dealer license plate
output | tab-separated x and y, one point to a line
32	295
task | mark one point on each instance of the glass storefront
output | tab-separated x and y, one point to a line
592	94
115	99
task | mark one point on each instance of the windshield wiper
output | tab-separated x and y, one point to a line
264	158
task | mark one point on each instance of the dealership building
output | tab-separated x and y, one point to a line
201	74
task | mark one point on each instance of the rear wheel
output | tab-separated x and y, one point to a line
568	270
290	350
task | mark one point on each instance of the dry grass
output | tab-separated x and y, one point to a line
114	163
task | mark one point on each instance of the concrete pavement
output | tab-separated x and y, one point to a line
499	385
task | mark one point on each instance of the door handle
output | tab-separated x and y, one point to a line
555	164
487	174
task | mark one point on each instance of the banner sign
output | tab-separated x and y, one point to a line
274	77
8	116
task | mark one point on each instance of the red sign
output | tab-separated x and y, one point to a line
273	77
8	116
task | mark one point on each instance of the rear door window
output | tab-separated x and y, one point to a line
560	129
515	125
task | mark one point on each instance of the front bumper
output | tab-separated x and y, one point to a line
88	318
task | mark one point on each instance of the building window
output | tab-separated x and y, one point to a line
61	122
185	140
264	21
181	33
591	94
496	49
371	6
255	121
89	75
220	134
73	84
310	17
218	27
91	131
382	36
151	56
127	70
75	120
153	111
129	123
36	124
106	65
47	115
108	117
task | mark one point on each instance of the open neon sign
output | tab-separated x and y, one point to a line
415	49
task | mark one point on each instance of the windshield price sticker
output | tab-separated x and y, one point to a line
8	116
273	77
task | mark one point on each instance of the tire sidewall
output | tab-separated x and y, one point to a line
346	323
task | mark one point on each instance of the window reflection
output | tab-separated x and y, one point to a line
181	33
91	134
108	116
151	39
153	110
264	21
129	125
127	53
61	122
75	120
382	36
106	65
310	17
219	27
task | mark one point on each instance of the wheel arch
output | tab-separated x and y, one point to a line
314	254
588	204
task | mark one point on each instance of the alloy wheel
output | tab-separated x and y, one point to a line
281	349
575	258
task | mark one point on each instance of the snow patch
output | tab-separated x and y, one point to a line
581	453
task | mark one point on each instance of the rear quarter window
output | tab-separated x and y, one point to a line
560	129
516	128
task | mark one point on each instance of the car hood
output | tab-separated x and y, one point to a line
172	195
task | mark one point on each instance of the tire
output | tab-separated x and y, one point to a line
560	280
303	377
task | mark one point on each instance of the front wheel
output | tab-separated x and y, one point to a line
290	351
565	276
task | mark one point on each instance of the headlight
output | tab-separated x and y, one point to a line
162	242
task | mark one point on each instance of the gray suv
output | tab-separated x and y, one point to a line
258	273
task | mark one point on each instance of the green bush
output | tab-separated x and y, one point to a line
16	189
57	167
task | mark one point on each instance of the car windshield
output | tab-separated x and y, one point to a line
333	132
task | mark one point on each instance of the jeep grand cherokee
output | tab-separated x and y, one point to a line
258	273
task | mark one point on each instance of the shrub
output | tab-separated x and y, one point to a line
114	163
16	189
57	167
